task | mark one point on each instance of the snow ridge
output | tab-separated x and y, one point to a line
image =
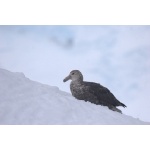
23	101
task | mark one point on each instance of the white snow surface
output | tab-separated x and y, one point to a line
23	101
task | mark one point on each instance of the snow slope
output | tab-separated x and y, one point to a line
23	101
118	57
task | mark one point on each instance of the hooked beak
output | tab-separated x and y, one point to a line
67	78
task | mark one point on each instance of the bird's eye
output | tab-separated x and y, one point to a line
73	73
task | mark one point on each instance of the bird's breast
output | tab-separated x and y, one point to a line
77	90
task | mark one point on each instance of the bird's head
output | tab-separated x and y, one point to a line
75	75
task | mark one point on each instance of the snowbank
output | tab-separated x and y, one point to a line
23	101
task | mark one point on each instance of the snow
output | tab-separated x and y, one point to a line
115	56
23	101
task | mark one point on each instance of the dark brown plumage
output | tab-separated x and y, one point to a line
92	92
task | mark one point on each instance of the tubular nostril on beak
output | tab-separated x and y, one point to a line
67	78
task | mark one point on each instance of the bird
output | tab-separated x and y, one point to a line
92	92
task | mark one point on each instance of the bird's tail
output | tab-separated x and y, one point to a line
114	109
123	105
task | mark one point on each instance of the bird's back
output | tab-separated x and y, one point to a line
96	93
